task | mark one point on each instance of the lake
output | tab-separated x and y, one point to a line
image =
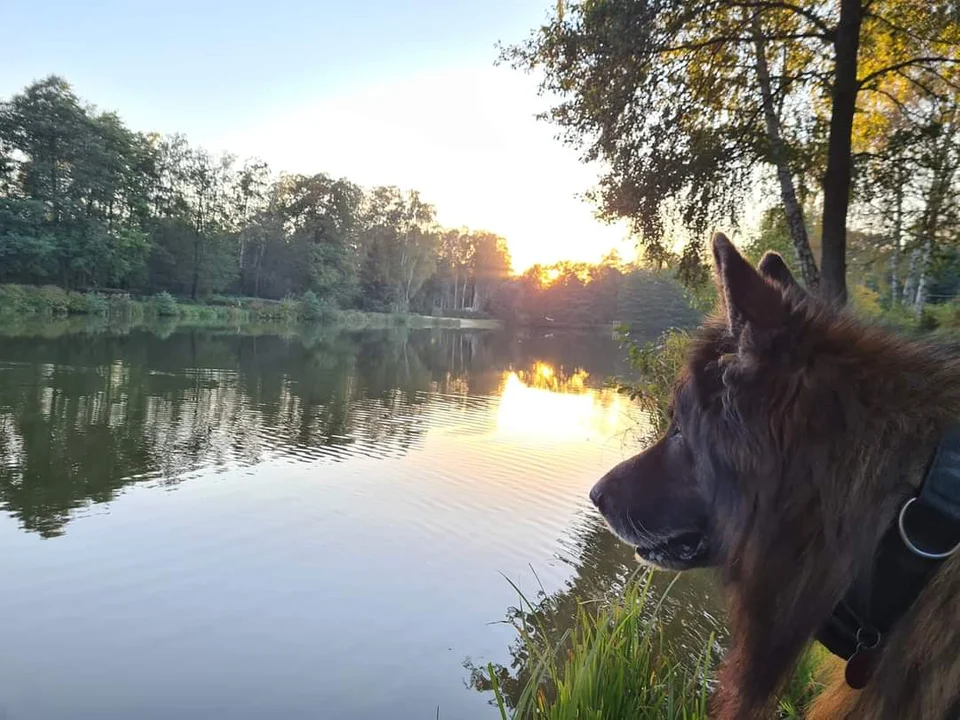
225	524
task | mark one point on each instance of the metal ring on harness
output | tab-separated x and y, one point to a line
909	543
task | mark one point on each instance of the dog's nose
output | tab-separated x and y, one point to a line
597	495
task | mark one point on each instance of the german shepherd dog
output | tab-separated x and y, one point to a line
796	436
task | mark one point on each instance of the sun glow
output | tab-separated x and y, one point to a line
549	276
497	168
550	404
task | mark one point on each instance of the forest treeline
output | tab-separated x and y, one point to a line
88	204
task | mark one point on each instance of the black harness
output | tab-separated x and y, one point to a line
926	533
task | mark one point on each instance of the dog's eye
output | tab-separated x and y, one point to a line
675	432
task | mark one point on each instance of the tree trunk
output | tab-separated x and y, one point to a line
788	193
196	267
910	283
54	182
923	282
837	179
897	234
939	188
894	278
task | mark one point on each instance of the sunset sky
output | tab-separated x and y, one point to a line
400	92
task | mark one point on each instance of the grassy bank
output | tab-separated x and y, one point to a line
615	663
48	301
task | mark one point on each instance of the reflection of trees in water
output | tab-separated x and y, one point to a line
82	415
689	614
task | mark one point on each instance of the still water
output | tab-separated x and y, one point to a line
218	524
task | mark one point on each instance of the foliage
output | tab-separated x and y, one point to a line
154	215
164	304
88	204
50	300
582	294
865	302
657	366
311	308
615	664
686	103
95	304
806	683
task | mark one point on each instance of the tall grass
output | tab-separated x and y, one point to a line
612	664
615	664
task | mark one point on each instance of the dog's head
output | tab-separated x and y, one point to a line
671	500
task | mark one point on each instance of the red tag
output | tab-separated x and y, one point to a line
860	667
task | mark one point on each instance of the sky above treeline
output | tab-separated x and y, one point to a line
398	92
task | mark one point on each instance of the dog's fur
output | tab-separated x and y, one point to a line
796	435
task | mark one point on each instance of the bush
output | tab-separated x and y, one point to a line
865	302
313	308
657	365
289	309
943	315
48	299
13	298
77	304
165	305
125	306
95	304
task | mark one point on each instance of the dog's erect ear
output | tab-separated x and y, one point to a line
749	299
773	267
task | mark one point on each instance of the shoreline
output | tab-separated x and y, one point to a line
52	304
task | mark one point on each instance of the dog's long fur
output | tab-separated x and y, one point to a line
810	430
824	427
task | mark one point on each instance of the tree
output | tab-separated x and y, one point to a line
26	245
46	124
686	101
248	197
400	242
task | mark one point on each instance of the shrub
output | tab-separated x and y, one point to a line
944	315
48	299
289	309
657	365
165	305
95	304
865	302
125	306
76	304
313	308
13	298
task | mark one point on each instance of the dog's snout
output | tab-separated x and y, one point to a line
598	495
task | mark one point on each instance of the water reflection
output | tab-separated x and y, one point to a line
83	415
536	407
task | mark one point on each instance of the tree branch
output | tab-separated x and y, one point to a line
723	39
818	22
922	61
